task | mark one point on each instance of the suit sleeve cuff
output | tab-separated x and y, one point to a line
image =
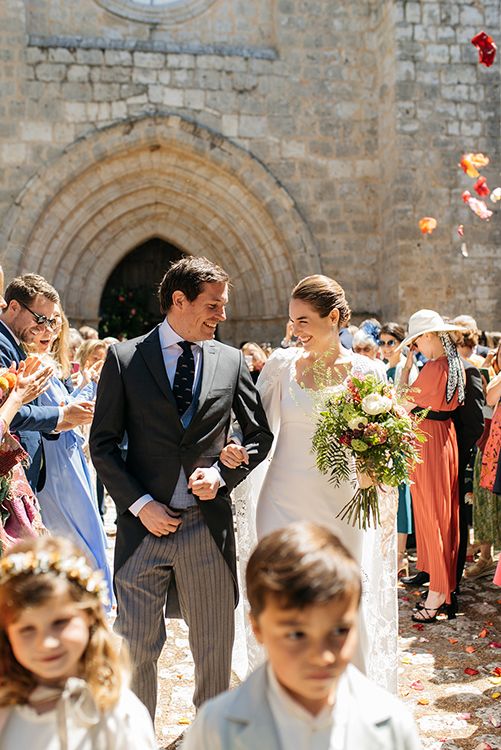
138	505
59	419
222	483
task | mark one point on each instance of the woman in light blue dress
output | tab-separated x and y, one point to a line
67	499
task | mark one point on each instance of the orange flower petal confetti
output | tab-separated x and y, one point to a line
495	696
483	633
486	48
461	230
417	685
471	671
471	163
497	671
452	640
427	224
495	197
184	721
470	649
481	188
423	702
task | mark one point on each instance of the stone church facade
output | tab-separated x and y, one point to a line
277	137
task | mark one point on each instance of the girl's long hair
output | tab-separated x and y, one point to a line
61	348
103	666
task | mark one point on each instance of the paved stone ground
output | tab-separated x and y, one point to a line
453	709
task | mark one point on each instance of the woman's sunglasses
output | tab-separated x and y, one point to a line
388	342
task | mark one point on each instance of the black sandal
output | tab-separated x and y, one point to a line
449	609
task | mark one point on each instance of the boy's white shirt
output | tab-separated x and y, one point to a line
298	728
242	719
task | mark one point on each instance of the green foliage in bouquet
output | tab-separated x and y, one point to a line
366	425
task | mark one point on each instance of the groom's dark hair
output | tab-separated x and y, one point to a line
187	275
299	565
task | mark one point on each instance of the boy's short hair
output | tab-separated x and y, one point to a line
301	564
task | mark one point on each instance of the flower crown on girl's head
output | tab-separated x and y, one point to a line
74	569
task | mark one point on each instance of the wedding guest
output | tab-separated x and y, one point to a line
30	304
467	339
440	387
69	507
255	358
364	343
304	591
88	332
391	336
63	681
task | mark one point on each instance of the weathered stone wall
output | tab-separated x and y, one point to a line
358	112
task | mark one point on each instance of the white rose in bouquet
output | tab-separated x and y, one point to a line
357	422
374	404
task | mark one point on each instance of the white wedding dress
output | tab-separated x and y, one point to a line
290	488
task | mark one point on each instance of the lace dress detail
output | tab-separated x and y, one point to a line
288	487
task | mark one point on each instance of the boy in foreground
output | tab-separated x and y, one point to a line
304	591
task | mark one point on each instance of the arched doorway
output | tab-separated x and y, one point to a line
129	304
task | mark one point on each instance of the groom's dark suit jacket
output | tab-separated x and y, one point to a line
31	419
134	397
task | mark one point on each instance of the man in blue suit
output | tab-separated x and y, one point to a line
31	304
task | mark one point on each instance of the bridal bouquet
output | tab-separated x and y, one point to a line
367	422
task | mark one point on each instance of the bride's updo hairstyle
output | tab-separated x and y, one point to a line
324	295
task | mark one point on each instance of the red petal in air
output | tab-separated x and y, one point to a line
486	48
480	187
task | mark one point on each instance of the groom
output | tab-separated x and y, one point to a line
174	392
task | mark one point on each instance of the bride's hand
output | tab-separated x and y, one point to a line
233	456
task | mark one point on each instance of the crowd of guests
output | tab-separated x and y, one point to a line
49	489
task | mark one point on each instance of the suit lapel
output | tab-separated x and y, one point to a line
151	351
210	357
9	336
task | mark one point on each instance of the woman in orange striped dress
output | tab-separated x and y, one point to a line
435	499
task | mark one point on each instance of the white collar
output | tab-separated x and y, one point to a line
289	706
169	337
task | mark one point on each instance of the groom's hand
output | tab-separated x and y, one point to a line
204	483
157	519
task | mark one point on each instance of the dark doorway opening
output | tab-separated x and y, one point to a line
129	304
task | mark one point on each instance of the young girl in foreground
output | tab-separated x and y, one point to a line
61	677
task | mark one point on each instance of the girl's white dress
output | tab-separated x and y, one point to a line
290	488
76	724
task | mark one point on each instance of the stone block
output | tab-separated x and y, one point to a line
229	125
437	53
413	12
61	55
132	89
90	56
118	57
180	78
155	60
155	93
194	98
118	110
106	92
50	72
209	62
207	79
35	55
144	75
77	92
293	149
75	111
78	73
173	97
36	131
471	16
14	153
250	126
471	129
115	75
164	76
180	61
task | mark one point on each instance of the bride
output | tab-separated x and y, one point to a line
293	385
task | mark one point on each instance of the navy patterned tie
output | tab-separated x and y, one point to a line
182	386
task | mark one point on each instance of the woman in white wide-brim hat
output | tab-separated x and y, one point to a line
435	497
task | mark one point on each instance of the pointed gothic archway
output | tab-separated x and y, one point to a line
162	177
